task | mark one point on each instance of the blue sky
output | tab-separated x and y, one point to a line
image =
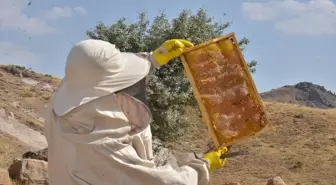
292	40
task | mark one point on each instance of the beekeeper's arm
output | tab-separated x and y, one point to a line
169	50
134	170
196	171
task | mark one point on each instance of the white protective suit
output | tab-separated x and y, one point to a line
98	137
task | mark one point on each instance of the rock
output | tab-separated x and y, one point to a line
29	81
23	133
39	155
3	113
29	172
172	160
41	119
16	160
232	183
276	181
16	104
4	177
45	87
162	155
12	115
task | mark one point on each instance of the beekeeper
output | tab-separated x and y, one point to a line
97	127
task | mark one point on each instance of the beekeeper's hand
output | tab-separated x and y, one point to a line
214	160
169	50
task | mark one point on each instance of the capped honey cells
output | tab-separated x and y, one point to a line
225	90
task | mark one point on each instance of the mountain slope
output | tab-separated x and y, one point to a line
304	93
299	145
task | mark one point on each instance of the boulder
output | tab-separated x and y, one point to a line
276	181
29	172
39	155
162	155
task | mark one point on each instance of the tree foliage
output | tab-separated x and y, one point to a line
169	91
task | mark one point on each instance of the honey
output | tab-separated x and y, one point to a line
224	89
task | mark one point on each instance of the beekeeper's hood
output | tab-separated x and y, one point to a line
95	68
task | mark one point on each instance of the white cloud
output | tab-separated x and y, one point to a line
314	17
80	10
15	54
58	12
13	17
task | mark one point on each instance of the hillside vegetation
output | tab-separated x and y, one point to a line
299	145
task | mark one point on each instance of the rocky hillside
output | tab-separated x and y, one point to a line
24	96
304	93
298	145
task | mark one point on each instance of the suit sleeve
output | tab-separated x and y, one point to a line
143	172
149	57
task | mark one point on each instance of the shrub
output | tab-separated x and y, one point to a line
169	91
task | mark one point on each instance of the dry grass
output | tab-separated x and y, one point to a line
10	149
299	146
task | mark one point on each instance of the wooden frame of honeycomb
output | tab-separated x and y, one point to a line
224	89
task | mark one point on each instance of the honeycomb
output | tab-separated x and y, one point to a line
225	90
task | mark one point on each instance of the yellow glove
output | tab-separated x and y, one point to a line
169	50
214	160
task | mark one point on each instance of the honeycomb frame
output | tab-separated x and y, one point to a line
252	90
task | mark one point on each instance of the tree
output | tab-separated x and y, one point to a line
169	91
